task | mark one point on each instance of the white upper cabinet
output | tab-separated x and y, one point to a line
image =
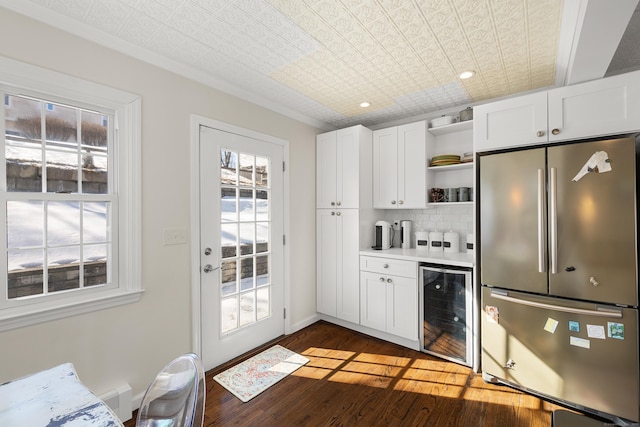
511	122
399	167
596	108
338	155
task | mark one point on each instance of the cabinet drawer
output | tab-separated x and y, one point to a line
394	267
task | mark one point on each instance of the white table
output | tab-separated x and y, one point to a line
54	398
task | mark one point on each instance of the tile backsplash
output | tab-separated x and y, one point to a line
458	218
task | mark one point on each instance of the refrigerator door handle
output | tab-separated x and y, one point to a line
553	220
541	229
617	314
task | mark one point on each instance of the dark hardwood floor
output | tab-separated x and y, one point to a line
355	380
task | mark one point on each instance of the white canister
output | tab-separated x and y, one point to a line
435	241
451	242
471	241
422	240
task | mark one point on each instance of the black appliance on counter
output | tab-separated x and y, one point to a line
447	313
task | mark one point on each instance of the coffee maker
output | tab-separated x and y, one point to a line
383	235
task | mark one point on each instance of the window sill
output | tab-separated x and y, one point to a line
39	313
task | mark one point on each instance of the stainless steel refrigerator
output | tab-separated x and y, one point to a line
558	267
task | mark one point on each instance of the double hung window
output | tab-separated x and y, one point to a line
69	196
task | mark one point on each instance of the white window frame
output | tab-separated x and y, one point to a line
126	108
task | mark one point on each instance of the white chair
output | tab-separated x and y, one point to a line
176	397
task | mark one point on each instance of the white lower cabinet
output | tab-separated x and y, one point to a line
389	296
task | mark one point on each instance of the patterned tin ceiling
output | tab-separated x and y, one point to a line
320	59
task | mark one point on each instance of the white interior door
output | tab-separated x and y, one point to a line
241	244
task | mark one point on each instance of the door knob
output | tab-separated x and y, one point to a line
208	268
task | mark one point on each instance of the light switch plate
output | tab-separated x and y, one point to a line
174	236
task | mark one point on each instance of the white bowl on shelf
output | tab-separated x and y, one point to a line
441	121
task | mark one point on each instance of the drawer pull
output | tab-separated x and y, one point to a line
385	265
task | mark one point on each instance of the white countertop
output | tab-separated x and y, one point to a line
459	259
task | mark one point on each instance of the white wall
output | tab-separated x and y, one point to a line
129	344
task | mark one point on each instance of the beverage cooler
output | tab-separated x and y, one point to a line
447	313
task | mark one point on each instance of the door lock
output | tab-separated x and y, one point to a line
207	251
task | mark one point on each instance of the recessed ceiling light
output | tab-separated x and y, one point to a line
365	104
467	74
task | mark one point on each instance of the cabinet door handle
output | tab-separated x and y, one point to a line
338	203
389	280
400	202
385	265
333	213
555	131
382	279
393	202
540	133
338	213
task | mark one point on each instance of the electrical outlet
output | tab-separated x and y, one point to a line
174	236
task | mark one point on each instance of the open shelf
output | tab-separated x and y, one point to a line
467	165
453	127
450	203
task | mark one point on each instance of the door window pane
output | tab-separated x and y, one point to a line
229	280
262	205
262	172
247	308
246	169
263	303
229	314
247	206
247	238
262	271
228	205
228	164
262	237
246	281
228	239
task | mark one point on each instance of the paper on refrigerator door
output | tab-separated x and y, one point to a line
599	160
